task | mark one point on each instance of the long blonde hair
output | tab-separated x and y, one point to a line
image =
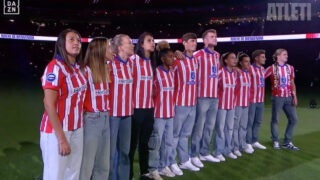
277	53
95	59
275	67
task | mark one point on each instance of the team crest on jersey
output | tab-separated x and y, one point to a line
193	75
261	84
51	77
213	71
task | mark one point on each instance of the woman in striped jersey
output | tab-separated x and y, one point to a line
225	116
283	97
64	86
96	149
142	120
242	93
121	107
160	142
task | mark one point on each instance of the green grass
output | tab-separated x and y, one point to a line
20	156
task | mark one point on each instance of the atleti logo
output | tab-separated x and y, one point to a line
51	77
11	7
213	72
289	12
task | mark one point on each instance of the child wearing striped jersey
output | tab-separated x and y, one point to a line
242	93
160	142
225	116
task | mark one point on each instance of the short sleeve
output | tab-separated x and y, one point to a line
52	76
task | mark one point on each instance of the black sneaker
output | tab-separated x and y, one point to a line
276	145
290	146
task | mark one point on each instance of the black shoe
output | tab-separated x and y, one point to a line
290	146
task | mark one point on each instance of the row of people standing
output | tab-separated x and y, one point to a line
100	109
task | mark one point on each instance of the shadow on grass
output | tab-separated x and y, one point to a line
262	163
23	163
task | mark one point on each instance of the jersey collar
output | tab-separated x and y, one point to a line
208	51
120	60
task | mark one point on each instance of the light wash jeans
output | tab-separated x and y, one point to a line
206	115
96	146
254	122
182	128
223	132
160	143
240	128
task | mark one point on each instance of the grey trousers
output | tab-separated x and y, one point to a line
96	146
240	128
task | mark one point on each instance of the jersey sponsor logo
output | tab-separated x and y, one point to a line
146	77
230	85
168	89
102	92
82	88
261	82
213	71
125	81
51	77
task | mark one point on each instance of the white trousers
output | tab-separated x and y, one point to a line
57	167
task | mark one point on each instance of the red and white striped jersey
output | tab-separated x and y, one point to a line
226	88
285	75
185	80
164	88
97	95
71	88
257	84
142	82
120	88
242	91
209	66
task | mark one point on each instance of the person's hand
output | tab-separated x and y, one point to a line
295	100
64	147
179	54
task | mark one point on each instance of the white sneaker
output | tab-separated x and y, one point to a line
167	172
209	158
232	156
189	166
176	170
154	175
250	146
258	145
248	150
221	158
196	161
237	153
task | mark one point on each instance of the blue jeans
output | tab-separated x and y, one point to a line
240	128
254	122
96	146
160	143
223	132
289	109
182	127
207	109
120	140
